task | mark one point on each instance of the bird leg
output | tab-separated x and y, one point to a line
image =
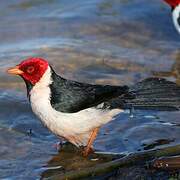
88	148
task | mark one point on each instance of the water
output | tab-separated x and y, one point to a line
98	41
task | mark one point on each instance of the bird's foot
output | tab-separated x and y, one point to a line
87	150
59	145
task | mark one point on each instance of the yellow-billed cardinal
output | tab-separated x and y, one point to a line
76	111
175	5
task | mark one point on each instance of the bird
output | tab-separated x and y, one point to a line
76	111
175	5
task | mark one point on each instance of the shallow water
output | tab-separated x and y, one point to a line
98	41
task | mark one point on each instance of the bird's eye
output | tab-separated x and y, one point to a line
30	69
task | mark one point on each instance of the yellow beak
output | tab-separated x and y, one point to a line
15	70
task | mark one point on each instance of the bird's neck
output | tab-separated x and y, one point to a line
49	79
41	90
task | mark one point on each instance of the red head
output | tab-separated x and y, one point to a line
31	69
173	3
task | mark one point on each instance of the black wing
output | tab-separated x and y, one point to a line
70	96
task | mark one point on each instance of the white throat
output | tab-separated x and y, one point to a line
176	15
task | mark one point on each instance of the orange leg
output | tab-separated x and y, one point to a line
88	148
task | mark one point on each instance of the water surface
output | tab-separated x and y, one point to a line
99	41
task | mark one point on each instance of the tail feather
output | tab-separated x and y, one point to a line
155	93
151	93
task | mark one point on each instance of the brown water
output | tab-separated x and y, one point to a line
98	41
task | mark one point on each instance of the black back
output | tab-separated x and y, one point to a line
70	96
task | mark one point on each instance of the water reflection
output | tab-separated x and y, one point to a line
174	72
70	159
106	42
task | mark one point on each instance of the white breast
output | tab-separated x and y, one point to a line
66	124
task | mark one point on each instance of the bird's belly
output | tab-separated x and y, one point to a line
74	123
70	125
75	127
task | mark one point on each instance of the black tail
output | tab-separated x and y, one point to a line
152	93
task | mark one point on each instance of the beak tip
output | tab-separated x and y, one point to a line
8	71
14	70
